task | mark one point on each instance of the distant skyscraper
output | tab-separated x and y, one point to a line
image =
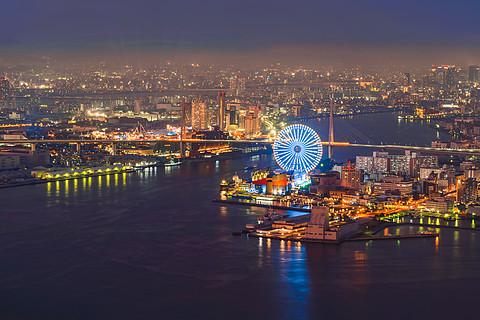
199	115
252	121
445	76
449	76
4	88
231	114
221	110
407	76
473	73
188	113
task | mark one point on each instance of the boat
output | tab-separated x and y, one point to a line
267	220
172	163
224	186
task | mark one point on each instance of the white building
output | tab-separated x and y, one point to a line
318	227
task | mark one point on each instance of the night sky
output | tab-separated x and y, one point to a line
242	26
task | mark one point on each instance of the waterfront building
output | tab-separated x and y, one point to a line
318	227
267	181
26	158
439	204
439	144
9	162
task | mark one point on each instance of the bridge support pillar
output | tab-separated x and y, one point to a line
33	147
114	148
79	147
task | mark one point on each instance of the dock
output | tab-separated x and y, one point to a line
395	237
260	205
359	237
304	240
430	225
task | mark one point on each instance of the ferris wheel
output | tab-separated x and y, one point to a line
298	148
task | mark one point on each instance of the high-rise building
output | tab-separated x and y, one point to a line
449	76
351	177
473	73
4	88
221	110
188	113
231	114
444	76
199	115
467	191
252	121
407	78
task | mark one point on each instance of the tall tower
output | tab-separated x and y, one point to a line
4	92
330	133
221	110
199	115
182	131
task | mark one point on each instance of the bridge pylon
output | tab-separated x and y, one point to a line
330	131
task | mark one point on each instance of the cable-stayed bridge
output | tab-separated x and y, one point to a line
335	144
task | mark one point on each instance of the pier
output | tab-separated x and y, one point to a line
261	205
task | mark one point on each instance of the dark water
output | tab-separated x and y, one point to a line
386	128
151	245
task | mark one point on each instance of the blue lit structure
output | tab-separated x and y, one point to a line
298	148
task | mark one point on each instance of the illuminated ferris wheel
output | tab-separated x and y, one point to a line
298	148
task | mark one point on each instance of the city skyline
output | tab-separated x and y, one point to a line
309	33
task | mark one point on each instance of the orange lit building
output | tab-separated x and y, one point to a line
268	182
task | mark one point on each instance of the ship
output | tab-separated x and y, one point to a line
267	220
172	163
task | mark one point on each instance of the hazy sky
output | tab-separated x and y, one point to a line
311	27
